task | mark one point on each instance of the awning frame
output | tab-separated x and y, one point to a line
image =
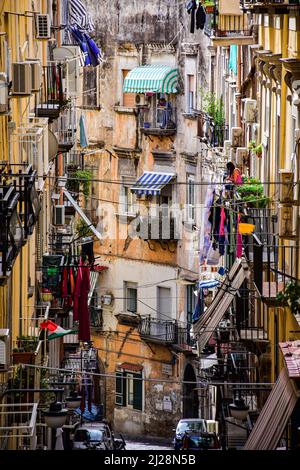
150	185
82	214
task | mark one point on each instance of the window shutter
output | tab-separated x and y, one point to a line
119	389
138	392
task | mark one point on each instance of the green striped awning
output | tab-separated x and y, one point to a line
151	78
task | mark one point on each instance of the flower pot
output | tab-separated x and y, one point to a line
209	9
23	357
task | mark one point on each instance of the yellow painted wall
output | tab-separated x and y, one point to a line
21	42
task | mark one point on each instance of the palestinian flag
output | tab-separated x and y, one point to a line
55	330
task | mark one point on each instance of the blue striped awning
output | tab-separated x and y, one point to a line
151	183
151	78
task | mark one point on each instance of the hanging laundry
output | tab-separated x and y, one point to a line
206	226
199	308
84	141
79	16
200	17
239	241
233	58
222	232
81	309
191	7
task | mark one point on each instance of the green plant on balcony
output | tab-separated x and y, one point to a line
209	6
80	180
290	296
251	192
26	343
214	107
82	230
257	149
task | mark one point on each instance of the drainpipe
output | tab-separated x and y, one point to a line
239	81
285	36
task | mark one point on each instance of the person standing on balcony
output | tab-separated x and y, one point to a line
233	174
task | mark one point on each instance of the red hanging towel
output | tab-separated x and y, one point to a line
83	308
77	291
64	283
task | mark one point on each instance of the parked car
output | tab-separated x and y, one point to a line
193	434
93	437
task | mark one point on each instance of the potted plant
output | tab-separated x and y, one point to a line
209	6
251	193
25	351
258	150
290	297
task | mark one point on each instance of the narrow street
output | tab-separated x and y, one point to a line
149	225
145	444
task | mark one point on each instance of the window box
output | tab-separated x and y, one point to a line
23	357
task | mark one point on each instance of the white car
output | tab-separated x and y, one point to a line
93	437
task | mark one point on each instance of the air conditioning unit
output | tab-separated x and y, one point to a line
227	147
36	70
286	221
141	99
3	93
43	26
4	350
59	215
250	107
21	78
242	156
286	190
236	136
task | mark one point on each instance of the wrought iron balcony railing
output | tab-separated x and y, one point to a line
23	178
264	5
158	120
11	230
52	97
160	228
64	128
220	25
165	332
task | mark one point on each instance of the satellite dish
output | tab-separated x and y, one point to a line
62	53
52	145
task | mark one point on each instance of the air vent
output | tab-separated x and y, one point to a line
21	78
36	76
43	27
3	93
4	350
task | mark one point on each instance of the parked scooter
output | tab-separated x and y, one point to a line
120	444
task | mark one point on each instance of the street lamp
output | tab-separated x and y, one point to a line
73	401
56	416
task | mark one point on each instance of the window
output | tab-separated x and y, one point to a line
164	303
130	297
190	198
128	98
127	198
190	93
190	302
129	389
90	93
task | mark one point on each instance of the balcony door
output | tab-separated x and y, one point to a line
164	305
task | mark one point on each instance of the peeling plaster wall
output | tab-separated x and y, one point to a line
132	33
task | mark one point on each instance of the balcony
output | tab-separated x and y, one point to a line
64	128
23	177
30	144
208	131
158	121
11	230
264	6
30	347
166	333
225	28
158	228
51	98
